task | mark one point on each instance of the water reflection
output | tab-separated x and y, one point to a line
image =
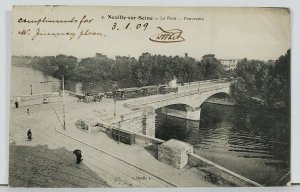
23	77
95	87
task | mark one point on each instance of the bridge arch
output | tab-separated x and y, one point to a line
215	97
192	101
179	107
192	104
197	100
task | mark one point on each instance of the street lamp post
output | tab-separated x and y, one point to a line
115	107
63	94
30	89
119	129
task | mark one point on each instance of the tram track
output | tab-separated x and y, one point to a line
117	171
125	163
108	172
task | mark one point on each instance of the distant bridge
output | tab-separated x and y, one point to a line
191	96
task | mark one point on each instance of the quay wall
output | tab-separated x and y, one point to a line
34	96
42	95
139	138
220	172
72	94
145	140
222	175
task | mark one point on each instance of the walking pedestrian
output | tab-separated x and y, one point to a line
77	152
29	135
17	104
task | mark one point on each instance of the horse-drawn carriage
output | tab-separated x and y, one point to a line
89	97
128	93
164	89
134	92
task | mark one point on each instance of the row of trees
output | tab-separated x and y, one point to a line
263	84
259	83
148	69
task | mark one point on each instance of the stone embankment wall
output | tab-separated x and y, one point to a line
139	122
145	140
34	96
220	172
136	122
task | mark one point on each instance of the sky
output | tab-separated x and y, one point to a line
229	33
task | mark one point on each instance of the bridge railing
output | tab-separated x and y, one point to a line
209	81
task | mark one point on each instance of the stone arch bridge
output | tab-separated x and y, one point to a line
190	96
141	118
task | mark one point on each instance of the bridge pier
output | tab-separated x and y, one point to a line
141	122
193	114
148	123
190	113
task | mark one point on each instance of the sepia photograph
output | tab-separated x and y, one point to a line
108	96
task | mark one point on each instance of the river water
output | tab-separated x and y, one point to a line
23	77
255	146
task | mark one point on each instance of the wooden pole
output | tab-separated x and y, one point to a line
115	107
63	92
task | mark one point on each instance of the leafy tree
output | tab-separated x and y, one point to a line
265	84
213	68
65	65
127	71
280	80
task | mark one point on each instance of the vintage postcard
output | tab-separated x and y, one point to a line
149	97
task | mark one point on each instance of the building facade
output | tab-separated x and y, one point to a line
229	63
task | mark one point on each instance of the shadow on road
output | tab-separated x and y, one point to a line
39	166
